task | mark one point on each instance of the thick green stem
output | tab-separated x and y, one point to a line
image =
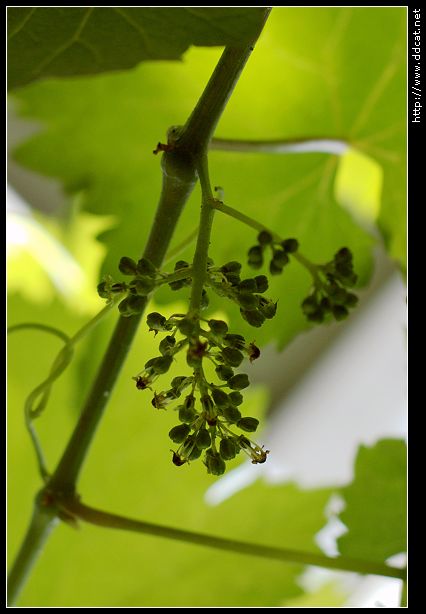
203	120
114	521
42	522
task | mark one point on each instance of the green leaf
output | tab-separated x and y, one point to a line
100	133
64	42
375	512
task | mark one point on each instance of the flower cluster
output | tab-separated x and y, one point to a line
329	294
280	252
207	412
145	278
226	282
246	293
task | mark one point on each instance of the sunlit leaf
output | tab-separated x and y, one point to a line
375	512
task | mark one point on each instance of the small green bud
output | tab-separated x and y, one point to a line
267	307
290	245
187	414
264	237
177	381
343	269
339	312
247	301
309	305
145	267
247	285
181	264
118	287
343	255
316	316
235	341
227	448
236	397
167	344
231	267
261	283
275	268
349	280
179	433
143	285
214	463
124	308
337	294
195	453
255	257
280	258
232	278
162	364
102	290
351	300
239	381
127	266
188	326
156	321
202	439
189	402
207	404
177	285
132	305
224	373
254	317
232	356
136	303
231	413
210	412
248	424
325	304
220	397
204	302
218	327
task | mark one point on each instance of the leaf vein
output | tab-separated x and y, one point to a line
137	27
23	22
74	39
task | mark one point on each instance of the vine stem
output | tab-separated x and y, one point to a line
42	522
113	521
179	164
199	264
